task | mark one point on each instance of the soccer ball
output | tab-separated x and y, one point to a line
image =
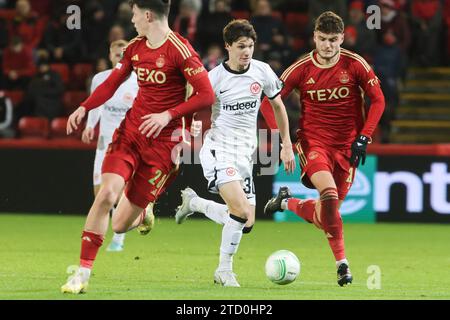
282	267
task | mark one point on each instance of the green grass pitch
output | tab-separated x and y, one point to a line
178	261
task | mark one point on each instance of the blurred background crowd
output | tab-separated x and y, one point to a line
47	68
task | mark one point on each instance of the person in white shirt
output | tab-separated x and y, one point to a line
110	116
226	155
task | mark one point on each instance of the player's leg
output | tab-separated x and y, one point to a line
240	211
343	175
191	203
117	241
330	221
94	231
313	160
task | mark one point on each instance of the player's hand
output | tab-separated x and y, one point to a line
154	123
196	127
88	135
288	158
75	119
359	147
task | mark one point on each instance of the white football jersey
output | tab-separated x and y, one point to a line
113	111
238	98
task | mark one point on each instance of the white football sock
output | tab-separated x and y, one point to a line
118	238
231	237
217	212
338	263
284	204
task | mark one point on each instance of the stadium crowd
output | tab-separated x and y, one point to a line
47	68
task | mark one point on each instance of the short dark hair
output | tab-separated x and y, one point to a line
160	7
329	22
236	29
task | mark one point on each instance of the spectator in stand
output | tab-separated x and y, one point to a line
6	116
43	97
350	38
240	5
123	19
26	24
18	65
270	30
365	39
387	64
96	44
427	28
41	7
317	7
211	24
100	65
186	20
62	44
274	60
214	56
115	33
395	22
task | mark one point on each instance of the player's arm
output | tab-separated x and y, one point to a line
273	89
93	117
371	85
101	94
202	97
290	82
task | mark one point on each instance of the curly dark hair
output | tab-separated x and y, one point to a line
329	22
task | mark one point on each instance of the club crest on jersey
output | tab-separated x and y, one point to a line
128	98
230	172
255	88
160	62
313	155
343	78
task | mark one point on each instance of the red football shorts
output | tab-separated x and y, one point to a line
145	164
315	158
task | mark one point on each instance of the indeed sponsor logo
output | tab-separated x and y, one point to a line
115	109
240	106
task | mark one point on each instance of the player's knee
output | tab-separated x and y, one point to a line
107	196
119	226
242	210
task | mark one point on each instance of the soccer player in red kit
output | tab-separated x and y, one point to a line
139	156
333	130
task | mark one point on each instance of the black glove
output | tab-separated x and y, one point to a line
359	147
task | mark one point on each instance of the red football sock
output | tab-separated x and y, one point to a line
303	208
332	222
90	243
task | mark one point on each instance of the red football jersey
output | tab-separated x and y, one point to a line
332	98
162	73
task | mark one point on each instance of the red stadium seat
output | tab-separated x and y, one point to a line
62	69
296	23
80	72
34	127
240	14
7	14
16	96
58	128
72	100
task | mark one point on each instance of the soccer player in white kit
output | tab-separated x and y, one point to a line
110	116
226	155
